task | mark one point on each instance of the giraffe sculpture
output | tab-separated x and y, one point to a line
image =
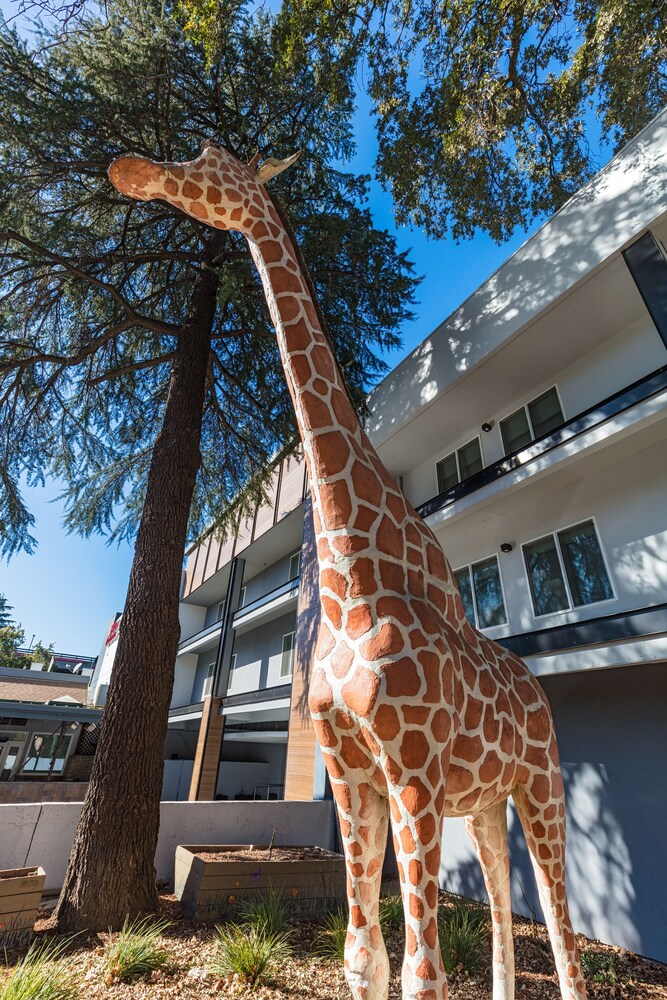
418	715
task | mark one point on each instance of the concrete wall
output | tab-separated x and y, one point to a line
42	834
613	744
258	656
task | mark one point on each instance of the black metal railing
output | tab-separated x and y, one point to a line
259	602
622	400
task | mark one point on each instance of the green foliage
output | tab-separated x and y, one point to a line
267	911
96	290
252	953
5	608
11	637
330	939
463	933
137	951
42	974
486	113
599	967
391	913
41	653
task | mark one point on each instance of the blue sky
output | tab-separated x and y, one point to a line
68	590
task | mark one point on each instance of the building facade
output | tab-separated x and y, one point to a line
530	431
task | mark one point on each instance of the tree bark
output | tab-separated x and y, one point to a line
111	871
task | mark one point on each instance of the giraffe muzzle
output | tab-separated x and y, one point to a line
136	177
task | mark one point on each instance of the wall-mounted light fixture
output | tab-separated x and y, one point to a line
487	426
506	547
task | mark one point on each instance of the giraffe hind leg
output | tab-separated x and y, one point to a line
488	832
540	804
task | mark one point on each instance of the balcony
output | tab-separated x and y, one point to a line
624	400
273	604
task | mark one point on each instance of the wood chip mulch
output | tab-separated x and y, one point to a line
308	977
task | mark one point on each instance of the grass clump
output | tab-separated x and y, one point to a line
137	951
251	952
463	934
599	967
267	911
42	974
391	913
330	940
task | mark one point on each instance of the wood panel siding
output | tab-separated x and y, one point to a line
207	755
301	745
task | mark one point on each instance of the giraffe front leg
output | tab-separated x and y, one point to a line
417	840
363	816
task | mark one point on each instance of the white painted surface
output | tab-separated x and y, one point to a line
43	834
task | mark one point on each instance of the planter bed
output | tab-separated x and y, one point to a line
20	894
211	880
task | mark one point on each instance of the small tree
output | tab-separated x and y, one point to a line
137	358
11	637
5	608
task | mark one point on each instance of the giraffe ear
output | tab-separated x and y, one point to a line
271	167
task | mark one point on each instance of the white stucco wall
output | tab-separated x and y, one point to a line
259	655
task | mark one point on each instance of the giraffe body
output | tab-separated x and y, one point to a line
418	715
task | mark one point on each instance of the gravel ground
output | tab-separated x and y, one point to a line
305	977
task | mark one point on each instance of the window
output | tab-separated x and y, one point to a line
482	593
567	570
242	597
287	660
460	465
208	683
531	421
47	749
294	565
220	612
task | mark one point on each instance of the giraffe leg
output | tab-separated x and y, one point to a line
418	844
540	804
488	832
363	816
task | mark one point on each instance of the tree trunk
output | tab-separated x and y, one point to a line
111	871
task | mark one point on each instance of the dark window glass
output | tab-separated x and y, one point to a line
470	459
545	413
584	565
488	593
545	575
515	431
448	473
465	589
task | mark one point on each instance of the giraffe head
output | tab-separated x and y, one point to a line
215	187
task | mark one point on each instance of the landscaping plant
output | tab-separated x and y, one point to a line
267	911
391	913
137	950
330	940
599	968
250	952
463	933
42	974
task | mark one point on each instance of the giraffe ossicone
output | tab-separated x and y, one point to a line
418	715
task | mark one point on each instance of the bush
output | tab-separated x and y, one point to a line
391	913
42	974
330	940
137	950
463	933
267	911
252	953
599	967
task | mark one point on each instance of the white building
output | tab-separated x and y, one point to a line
530	430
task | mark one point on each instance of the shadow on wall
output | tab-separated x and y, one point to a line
613	744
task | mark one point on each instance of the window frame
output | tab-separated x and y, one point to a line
292	651
220	610
294	555
455	453
573	607
243	593
208	680
26	753
469	566
524	407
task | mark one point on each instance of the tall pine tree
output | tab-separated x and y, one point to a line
137	358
